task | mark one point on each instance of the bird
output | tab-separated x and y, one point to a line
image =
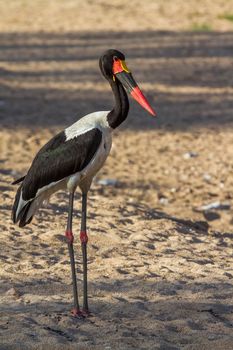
73	157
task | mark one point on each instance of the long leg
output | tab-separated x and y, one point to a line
84	239
70	239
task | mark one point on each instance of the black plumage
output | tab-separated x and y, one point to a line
55	161
18	180
60	158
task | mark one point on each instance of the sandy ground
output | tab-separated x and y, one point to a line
160	266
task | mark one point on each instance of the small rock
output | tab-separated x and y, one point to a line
163	200
213	336
13	292
214	205
107	182
229	275
173	190
207	177
189	155
211	215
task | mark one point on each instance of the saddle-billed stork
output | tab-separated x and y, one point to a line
73	157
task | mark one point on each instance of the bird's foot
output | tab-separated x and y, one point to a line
80	313
77	313
86	312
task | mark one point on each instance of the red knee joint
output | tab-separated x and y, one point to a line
69	236
83	237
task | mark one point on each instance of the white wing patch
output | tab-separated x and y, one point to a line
21	204
90	121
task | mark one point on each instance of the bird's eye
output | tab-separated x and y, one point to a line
115	58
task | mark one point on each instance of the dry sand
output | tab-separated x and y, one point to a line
160	270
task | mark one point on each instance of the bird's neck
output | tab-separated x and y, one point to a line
120	111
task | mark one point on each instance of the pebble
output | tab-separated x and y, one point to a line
13	292
163	200
189	155
211	215
107	182
214	205
207	177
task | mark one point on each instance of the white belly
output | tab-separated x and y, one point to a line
84	178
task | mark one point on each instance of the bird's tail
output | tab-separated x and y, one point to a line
21	209
24	210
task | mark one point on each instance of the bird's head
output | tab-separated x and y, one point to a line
113	67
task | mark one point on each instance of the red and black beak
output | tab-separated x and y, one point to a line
122	73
